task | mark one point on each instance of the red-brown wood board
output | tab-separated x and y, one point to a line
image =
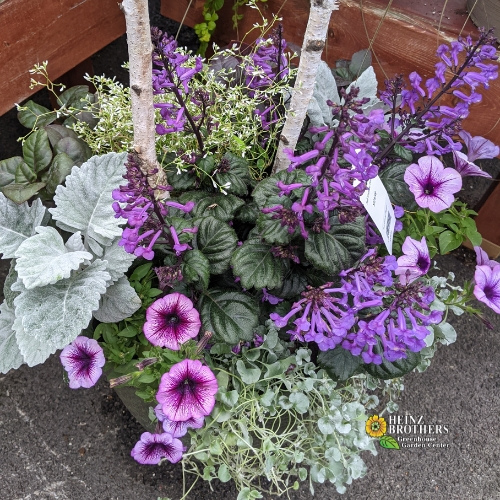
63	32
406	40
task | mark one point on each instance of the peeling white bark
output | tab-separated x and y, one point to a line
141	68
312	48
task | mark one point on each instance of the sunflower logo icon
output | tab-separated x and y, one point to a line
376	427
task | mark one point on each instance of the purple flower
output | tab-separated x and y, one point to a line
153	447
482	258
432	184
83	359
478	147
171	321
487	288
177	429
187	391
415	262
466	168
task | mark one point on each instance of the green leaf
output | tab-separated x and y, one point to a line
140	272
230	316
249	212
72	97
360	61
56	132
36	151
339	248
217	241
399	193
339	363
449	241
256	266
249	373
223	474
267	187
8	169
19	193
474	236
25	174
58	171
237	174
403	153
294	283
196	268
35	115
389	443
396	369
272	231
76	149
220	206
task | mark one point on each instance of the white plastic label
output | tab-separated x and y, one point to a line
378	205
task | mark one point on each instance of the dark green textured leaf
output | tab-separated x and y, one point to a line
35	115
272	231
393	179
230	316
293	284
60	168
222	207
267	187
256	266
36	150
76	149
24	174
389	443
19	193
339	248
8	169
217	241
57	132
237	175
73	96
196	268
396	369
339	363
403	153
249	212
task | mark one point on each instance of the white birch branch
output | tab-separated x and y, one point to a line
310	57
141	90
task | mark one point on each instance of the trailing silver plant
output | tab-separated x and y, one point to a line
67	266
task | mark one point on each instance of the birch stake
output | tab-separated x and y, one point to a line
312	48
141	90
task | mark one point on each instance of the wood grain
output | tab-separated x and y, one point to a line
64	32
406	40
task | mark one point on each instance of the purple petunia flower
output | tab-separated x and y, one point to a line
83	359
482	258
487	288
432	184
415	262
187	391
466	168
478	147
171	321
151	448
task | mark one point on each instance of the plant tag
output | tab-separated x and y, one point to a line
378	205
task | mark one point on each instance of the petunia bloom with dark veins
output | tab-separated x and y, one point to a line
432	184
187	391
151	448
487	287
171	321
83	359
415	262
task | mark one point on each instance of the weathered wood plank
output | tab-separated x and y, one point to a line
64	32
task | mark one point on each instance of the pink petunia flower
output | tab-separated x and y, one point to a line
187	391
151	448
415	262
487	288
171	321
432	184
83	359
